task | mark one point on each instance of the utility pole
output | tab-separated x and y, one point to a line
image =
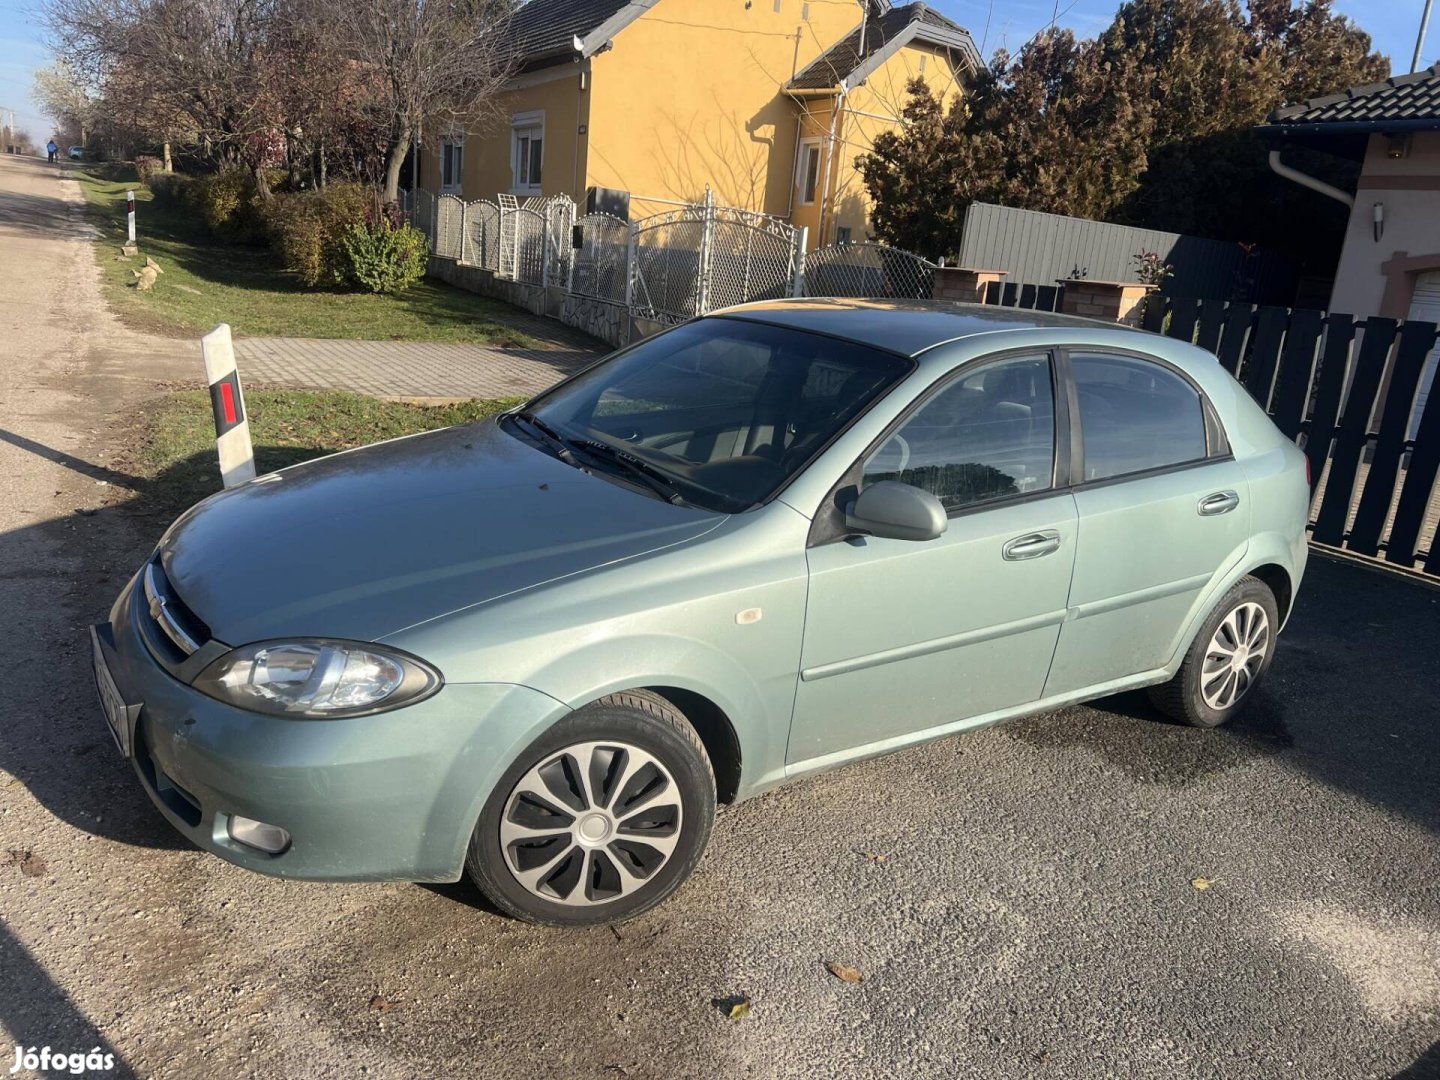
1420	38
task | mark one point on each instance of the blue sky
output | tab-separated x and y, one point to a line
1392	23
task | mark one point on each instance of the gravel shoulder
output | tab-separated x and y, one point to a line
1019	901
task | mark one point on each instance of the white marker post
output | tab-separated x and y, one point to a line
130	215
232	426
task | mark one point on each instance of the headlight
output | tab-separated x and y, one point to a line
317	678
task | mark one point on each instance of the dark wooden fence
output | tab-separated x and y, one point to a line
1024	295
1345	390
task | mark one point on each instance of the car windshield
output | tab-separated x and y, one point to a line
718	413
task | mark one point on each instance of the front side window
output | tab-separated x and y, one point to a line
988	434
1135	415
725	410
528	151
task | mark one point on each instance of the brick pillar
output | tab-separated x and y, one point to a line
964	283
1114	301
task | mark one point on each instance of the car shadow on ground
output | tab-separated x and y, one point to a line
39	1013
1349	700
55	742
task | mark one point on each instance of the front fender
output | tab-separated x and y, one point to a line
757	699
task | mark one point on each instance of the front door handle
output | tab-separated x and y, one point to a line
1221	502
1031	545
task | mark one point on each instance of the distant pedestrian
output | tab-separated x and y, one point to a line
52	150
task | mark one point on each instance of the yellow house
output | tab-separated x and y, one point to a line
768	102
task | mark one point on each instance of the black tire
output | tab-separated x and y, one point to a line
1184	697
637	720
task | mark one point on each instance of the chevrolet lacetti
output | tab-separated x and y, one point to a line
539	649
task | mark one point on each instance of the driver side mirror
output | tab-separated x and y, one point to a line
896	511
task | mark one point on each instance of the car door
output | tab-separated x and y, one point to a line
1163	508
903	636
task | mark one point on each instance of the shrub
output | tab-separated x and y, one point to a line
385	257
307	231
175	190
147	167
231	206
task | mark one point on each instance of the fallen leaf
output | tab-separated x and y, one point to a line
381	1004
1202	883
844	972
739	1010
873	856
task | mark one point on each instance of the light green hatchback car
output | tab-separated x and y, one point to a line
541	648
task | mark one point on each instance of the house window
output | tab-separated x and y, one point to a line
808	174
527	151
452	161
842	234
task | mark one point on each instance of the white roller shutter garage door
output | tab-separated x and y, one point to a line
1425	307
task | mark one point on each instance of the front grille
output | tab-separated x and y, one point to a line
179	627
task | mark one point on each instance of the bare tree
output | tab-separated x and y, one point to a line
425	65
202	64
62	94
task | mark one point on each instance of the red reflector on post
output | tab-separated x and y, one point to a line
227	401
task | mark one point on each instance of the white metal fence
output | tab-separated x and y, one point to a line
667	267
601	263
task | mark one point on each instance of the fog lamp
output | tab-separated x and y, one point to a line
270	839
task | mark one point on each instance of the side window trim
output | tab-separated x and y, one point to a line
826	525
1217	444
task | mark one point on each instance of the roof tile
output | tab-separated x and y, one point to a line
1405	97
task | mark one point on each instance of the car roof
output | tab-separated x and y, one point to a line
909	327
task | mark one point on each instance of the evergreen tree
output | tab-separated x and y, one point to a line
1149	124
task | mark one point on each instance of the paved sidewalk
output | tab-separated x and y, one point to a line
420	369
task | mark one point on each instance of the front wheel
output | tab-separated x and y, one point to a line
603	817
1228	657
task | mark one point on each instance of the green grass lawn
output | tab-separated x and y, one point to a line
173	454
206	282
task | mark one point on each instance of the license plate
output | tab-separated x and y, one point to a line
118	715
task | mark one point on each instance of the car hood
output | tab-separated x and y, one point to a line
365	543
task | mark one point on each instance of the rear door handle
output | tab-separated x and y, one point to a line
1221	502
1031	545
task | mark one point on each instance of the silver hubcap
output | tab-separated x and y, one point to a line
591	823
1234	657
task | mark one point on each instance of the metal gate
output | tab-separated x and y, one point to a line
868	270
699	258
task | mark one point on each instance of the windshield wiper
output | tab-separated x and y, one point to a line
548	435
647	474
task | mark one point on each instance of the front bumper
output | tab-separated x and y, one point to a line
392	796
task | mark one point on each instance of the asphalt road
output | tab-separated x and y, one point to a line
1019	900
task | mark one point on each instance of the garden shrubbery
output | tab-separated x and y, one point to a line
307	230
175	191
231	206
148	166
337	236
384	256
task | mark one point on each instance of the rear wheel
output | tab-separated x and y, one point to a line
603	817
1228	657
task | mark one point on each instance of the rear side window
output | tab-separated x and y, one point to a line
1135	415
